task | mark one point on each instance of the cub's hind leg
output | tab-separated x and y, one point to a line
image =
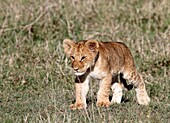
133	76
117	93
117	88
125	85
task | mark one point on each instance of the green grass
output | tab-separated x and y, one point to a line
36	81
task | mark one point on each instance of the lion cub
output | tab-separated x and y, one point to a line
103	61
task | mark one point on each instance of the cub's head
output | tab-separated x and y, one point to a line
82	54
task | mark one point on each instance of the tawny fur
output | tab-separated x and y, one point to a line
103	61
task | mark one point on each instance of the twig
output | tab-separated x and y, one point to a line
28	25
3	25
37	19
97	34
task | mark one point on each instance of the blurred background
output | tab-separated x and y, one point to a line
36	81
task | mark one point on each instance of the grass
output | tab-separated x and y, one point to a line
36	81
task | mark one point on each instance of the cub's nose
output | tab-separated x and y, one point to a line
76	69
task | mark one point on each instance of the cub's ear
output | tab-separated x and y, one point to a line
93	45
68	44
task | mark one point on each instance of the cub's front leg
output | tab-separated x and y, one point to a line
82	88
103	93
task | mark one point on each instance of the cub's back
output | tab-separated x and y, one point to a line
117	53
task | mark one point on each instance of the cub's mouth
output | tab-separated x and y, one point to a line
79	73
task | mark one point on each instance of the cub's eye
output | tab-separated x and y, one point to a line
82	58
72	57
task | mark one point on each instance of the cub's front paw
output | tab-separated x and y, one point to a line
103	103
77	106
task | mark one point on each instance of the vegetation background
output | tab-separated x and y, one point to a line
36	81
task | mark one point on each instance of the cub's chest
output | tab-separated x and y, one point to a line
97	74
